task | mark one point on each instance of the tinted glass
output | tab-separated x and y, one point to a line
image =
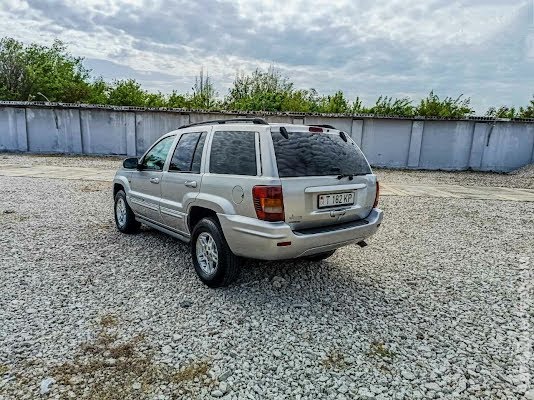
183	154
317	154
195	166
233	153
155	158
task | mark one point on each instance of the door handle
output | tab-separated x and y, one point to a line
154	180
191	184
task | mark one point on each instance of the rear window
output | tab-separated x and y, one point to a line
317	154
233	153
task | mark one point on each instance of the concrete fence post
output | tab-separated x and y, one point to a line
356	131
416	138
478	145
21	129
131	137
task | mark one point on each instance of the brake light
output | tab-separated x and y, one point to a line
269	203
315	129
377	195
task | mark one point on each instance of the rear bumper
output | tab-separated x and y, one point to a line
252	238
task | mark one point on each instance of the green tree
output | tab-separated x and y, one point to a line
98	92
357	107
503	112
303	100
204	94
55	73
260	91
336	104
127	92
392	107
177	100
39	72
155	100
433	106
13	74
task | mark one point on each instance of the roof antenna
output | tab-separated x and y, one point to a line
283	132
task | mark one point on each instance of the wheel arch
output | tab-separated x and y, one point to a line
120	183
197	213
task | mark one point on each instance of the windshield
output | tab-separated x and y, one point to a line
317	154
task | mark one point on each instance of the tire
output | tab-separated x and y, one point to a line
125	220
208	237
321	256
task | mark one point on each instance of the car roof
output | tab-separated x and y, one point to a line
257	122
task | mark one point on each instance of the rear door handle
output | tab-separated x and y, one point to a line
191	184
338	213
154	180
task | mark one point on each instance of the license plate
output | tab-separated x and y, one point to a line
336	199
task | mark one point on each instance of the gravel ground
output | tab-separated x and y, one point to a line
104	162
463	178
523	178
437	306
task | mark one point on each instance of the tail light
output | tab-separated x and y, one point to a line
377	195
269	203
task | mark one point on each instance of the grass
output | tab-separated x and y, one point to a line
379	349
3	369
108	320
335	359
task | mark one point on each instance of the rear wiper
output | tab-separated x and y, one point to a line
350	176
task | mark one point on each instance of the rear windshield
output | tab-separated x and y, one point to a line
317	154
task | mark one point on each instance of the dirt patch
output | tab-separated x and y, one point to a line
94	187
111	368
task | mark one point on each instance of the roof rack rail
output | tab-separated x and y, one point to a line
323	126
255	121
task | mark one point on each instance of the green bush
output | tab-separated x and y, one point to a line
433	106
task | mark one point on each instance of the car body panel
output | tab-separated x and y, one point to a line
252	238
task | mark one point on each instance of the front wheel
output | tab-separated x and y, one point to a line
214	262
320	256
124	216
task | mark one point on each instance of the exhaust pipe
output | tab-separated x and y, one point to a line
362	243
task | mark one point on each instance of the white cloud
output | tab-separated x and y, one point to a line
366	48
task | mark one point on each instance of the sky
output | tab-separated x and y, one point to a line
483	49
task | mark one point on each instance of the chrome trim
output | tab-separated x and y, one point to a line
172	213
144	203
334	188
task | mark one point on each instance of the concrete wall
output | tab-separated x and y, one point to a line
474	143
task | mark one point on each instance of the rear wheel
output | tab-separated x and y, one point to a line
124	216
321	256
214	262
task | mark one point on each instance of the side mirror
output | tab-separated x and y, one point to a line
130	163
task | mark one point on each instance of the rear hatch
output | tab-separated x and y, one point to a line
325	177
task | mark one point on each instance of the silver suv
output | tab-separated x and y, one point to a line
243	188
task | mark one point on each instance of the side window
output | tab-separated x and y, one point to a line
197	157
155	158
233	153
185	151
